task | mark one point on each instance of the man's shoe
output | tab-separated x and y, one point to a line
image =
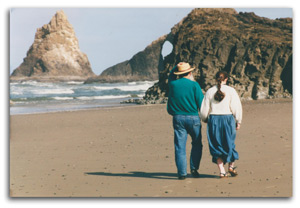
181	177
195	173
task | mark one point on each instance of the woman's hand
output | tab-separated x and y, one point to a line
238	126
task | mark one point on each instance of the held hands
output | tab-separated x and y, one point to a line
238	126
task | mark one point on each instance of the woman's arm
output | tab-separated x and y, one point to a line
236	108
205	107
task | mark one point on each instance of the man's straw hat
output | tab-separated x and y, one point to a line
183	68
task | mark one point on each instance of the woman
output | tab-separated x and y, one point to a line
222	110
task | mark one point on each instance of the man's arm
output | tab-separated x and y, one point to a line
199	96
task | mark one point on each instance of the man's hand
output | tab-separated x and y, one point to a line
238	126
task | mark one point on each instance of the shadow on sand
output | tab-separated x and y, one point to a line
138	174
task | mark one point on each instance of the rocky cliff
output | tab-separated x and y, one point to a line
55	54
255	51
145	65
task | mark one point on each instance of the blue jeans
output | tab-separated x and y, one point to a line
184	125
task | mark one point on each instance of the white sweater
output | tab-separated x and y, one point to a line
231	104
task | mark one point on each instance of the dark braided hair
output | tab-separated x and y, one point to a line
220	77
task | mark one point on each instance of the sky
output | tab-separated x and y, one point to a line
107	35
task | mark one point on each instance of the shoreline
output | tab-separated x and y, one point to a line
79	109
124	105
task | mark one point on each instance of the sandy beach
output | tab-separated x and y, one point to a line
129	152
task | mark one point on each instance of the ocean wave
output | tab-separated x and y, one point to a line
37	84
19	102
124	88
134	88
74	83
34	95
131	83
52	91
16	92
103	88
102	97
63	98
30	99
18	99
30	82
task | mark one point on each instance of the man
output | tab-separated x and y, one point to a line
185	98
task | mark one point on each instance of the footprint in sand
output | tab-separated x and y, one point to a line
168	191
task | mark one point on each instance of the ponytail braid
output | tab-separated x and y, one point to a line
220	77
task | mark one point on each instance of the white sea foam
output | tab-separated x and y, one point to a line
52	91
13	92
38	84
29	82
63	98
142	87
102	97
131	83
19	102
74	83
103	88
14	83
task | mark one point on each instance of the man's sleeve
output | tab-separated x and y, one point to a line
199	96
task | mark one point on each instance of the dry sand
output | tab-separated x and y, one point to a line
129	152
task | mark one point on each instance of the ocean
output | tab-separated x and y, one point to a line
30	97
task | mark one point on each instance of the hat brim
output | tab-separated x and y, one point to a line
184	72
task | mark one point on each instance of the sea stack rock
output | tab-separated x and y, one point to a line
255	51
54	55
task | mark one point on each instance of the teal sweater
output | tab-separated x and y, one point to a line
185	96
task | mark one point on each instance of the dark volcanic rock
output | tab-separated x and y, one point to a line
145	65
255	51
55	54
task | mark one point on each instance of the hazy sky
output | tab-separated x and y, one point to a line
107	35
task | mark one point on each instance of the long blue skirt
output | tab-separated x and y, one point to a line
221	133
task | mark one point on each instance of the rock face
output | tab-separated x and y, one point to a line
255	51
55	54
145	65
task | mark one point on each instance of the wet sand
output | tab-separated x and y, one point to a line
129	152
